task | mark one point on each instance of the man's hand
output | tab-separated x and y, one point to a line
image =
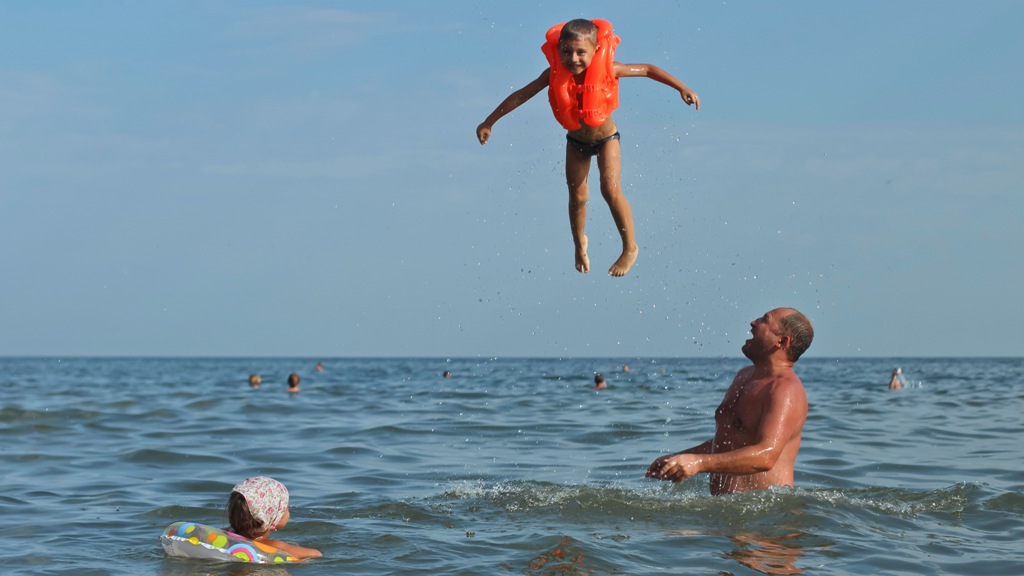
675	467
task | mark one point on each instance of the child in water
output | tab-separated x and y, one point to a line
257	507
582	81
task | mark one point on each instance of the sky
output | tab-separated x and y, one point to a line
269	178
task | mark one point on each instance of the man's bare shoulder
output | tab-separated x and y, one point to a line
780	385
787	388
745	373
789	378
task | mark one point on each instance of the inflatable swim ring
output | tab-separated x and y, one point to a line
191	540
600	88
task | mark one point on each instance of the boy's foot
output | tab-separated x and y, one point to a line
582	260
625	262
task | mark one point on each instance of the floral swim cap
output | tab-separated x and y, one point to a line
267	500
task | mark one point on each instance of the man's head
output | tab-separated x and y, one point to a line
781	329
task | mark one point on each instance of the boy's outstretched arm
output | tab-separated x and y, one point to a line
654	73
514	100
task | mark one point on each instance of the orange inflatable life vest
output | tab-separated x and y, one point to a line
600	88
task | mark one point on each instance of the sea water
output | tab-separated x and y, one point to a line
510	466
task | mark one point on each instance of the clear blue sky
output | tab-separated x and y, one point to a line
279	178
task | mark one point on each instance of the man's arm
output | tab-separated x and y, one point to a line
781	422
654	470
513	101
654	73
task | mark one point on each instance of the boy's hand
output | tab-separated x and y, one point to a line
483	132
690	97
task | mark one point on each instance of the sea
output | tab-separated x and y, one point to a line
508	466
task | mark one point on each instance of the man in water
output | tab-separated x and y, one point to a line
758	424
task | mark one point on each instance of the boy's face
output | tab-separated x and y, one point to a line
576	54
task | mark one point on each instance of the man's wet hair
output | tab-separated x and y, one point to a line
800	332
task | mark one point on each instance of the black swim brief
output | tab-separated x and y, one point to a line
590	148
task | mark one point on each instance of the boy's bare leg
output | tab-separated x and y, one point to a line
609	163
577	168
582	260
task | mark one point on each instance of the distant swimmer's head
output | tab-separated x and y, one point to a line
293	380
599	381
447	374
254	380
897	371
